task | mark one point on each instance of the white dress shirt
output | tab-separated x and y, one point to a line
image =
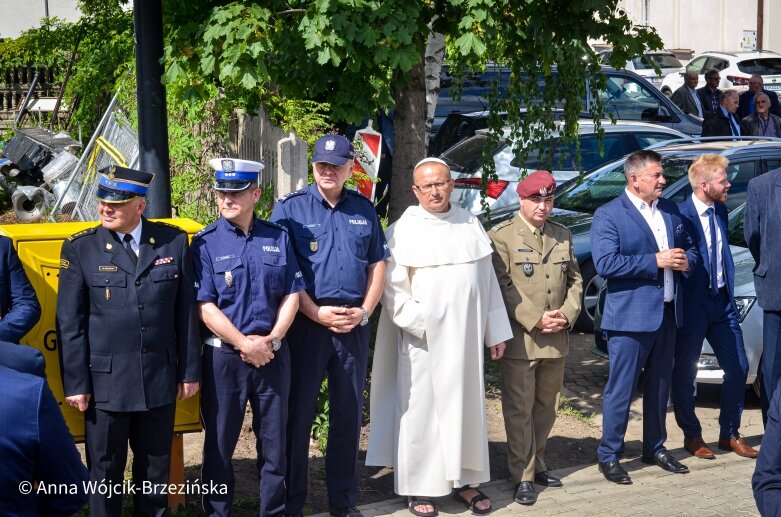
136	234
653	216
702	211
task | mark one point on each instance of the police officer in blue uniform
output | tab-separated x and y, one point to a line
129	342
247	283
341	250
19	307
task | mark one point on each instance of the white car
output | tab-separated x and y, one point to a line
466	159
643	65
735	69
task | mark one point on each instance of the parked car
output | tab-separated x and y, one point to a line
735	69
466	159
643	65
749	313
627	96
575	204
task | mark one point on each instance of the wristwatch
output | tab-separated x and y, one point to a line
365	316
276	344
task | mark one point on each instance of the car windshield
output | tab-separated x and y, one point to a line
467	157
606	184
761	66
645	62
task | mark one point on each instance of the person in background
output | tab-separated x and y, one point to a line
686	97
723	121
746	104
761	122
19	307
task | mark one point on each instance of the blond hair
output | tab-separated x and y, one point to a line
704	167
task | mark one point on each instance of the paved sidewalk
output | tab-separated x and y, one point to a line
716	487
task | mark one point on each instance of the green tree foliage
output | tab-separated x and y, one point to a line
360	56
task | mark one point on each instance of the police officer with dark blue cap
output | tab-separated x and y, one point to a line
247	283
341	250
129	343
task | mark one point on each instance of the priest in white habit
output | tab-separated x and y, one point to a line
440	307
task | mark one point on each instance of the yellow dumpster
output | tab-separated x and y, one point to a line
38	246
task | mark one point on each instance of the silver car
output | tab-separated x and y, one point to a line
466	159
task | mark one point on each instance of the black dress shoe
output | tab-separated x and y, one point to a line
614	472
350	511
545	478
525	494
664	459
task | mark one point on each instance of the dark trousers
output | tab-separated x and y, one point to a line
314	352
771	359
228	384
630	353
107	436
719	324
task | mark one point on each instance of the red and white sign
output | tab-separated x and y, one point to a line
368	151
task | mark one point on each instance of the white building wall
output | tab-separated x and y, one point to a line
701	25
19	15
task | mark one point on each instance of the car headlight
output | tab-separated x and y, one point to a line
744	304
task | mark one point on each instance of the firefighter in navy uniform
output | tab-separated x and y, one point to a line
247	283
128	334
341	249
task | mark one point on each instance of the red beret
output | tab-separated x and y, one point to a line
538	183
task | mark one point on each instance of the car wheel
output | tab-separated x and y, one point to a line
667	92
592	283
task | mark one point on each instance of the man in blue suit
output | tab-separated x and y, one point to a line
710	311
38	447
766	481
22	358
19	307
640	244
761	223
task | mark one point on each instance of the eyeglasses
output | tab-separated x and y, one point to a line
427	187
754	82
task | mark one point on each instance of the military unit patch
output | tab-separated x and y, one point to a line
166	260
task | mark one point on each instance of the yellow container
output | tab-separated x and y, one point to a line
38	246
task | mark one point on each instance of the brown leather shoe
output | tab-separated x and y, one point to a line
738	445
698	448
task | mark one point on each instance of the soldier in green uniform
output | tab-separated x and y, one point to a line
541	286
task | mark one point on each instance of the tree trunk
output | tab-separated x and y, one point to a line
435	53
409	130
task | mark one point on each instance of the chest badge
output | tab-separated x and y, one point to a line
109	246
151	240
229	278
313	246
528	269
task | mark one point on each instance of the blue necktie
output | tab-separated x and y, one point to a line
714	250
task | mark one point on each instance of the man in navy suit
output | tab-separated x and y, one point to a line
19	307
38	447
760	228
766	481
640	244
22	358
710	311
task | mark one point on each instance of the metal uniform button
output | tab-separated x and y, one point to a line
547	275
143	329
138	283
548	291
141	307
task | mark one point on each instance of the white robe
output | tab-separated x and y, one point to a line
441	305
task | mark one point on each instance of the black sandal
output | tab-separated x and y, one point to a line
413	501
471	503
